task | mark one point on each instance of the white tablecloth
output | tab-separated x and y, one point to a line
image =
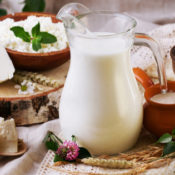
33	135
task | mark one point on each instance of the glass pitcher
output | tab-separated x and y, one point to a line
101	104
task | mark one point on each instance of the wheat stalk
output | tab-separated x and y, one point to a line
109	163
19	76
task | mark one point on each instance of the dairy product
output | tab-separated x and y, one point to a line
100	102
9	40
8	136
168	98
6	66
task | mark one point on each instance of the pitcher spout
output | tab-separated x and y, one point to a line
69	15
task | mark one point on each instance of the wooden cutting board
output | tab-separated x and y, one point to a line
39	107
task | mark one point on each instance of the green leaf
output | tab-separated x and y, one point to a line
36	44
34	6
36	30
21	33
3	12
73	138
51	145
52	141
47	38
173	131
165	138
58	158
169	148
54	137
83	153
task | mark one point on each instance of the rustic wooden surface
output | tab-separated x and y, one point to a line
36	108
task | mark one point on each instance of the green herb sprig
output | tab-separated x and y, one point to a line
2	11
169	142
29	6
52	142
34	6
37	37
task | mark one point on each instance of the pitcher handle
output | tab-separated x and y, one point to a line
142	78
146	40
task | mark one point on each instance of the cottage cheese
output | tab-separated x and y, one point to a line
9	40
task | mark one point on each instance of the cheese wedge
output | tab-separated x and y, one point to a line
6	66
8	136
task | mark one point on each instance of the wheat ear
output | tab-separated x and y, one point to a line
109	163
19	76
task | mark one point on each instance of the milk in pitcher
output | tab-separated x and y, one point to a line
101	104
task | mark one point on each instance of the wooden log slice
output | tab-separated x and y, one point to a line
38	107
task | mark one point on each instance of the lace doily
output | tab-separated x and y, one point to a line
141	57
84	169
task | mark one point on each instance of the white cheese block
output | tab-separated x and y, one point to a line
6	66
8	136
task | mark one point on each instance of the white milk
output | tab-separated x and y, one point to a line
168	98
101	104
